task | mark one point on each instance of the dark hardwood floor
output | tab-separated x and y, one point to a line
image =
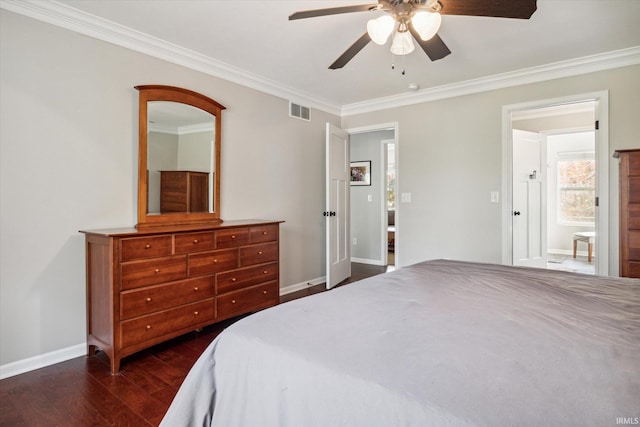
82	391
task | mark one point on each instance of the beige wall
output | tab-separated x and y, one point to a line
450	160
68	161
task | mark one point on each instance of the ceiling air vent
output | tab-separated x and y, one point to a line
299	111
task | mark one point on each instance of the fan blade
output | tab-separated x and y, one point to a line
351	52
521	9
333	11
434	47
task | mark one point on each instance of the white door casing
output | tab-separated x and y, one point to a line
529	199
338	257
601	99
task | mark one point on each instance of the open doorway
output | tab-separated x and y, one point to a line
374	237
556	202
389	148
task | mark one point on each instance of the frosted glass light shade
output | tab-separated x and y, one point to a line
380	29
402	43
426	24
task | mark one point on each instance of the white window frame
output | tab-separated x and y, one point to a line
569	156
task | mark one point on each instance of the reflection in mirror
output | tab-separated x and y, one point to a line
180	158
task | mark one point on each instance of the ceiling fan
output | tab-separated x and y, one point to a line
419	20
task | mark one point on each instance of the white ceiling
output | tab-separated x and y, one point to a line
255	39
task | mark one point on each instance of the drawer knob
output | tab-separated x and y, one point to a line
195	240
157	270
149	299
147	246
233	279
265	272
259	252
215	261
195	289
195	313
264	233
233	301
148	327
264	292
233	236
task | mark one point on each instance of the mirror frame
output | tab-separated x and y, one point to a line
184	96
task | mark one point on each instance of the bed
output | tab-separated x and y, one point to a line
439	343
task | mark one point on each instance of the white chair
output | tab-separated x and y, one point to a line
588	237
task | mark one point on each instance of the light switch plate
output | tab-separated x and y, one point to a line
495	197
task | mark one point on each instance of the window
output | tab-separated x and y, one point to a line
391	176
576	188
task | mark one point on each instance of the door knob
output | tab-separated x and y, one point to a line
516	213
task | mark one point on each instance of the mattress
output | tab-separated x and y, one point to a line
440	343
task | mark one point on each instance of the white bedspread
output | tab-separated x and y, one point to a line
441	343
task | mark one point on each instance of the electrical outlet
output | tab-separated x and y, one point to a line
355	240
405	197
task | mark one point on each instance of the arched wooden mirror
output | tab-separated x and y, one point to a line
178	157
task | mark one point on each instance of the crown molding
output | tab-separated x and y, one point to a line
67	17
81	22
572	67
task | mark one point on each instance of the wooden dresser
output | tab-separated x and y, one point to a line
147	286
629	212
184	191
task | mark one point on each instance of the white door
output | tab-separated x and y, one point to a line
337	205
529	199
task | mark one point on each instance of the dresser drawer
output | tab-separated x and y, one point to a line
173	181
145	247
633	217
138	302
634	190
194	242
145	328
258	254
633	268
232	238
212	262
246	300
173	202
243	277
263	233
136	274
634	164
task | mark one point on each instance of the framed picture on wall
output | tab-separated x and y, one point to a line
361	173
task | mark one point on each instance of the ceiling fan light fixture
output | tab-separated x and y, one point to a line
380	29
426	24
402	43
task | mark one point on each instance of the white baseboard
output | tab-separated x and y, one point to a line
302	285
367	261
40	361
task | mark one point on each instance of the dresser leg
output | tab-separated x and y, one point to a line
115	365
91	350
